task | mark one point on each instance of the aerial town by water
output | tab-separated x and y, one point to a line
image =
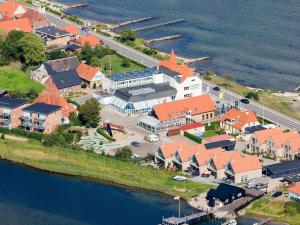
92	100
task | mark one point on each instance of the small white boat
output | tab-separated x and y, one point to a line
180	178
230	222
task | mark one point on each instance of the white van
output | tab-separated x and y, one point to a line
152	138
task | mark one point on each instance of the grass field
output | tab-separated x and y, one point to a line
279	211
116	64
12	79
91	165
267	98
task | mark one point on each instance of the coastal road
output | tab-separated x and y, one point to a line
267	113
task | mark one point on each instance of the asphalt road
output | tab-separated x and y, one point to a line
267	113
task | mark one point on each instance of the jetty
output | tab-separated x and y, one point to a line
193	218
297	88
189	61
165	38
129	22
159	25
79	5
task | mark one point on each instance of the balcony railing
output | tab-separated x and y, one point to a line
5	116
5	123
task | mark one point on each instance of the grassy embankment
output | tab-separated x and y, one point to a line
116	64
88	164
279	211
12	79
266	97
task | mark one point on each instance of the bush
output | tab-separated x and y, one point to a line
252	95
23	133
124	154
192	137
125	63
104	134
2	136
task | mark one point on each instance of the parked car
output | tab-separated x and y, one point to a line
153	138
136	144
260	186
84	28
205	175
216	88
277	194
245	101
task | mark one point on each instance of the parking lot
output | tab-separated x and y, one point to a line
136	133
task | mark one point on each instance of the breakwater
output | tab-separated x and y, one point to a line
159	25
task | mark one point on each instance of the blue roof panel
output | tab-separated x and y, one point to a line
135	74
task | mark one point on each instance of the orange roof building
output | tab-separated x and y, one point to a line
235	121
196	106
11	9
292	148
71	29
294	192
87	72
36	19
22	24
172	65
53	99
90	39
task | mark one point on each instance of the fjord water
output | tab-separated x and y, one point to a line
31	197
257	41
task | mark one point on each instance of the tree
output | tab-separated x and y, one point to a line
124	153
74	120
125	62
32	49
89	113
87	53
95	61
56	54
10	47
127	35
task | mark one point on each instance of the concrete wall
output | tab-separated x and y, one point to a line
248	174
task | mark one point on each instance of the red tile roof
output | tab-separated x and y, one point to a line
71	29
244	164
87	72
294	144
53	99
220	159
36	19
295	189
172	65
22	24
8	9
279	139
90	39
191	126
263	135
177	109
204	155
240	118
170	148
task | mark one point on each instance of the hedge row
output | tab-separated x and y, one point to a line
104	134
23	133
192	137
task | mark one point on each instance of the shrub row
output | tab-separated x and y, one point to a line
19	132
104	134
192	137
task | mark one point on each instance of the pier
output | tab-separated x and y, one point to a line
159	25
79	5
133	22
166	38
197	217
189	61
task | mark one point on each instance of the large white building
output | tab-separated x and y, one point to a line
174	76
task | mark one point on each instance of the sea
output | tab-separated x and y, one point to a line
257	42
32	197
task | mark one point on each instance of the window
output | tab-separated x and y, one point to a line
173	98
186	88
187	95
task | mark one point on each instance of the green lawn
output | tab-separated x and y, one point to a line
279	211
12	79
91	165
116	64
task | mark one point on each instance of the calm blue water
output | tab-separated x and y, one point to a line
31	197
257	41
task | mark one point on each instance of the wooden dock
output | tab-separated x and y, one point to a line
159	25
197	217
166	38
133	22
